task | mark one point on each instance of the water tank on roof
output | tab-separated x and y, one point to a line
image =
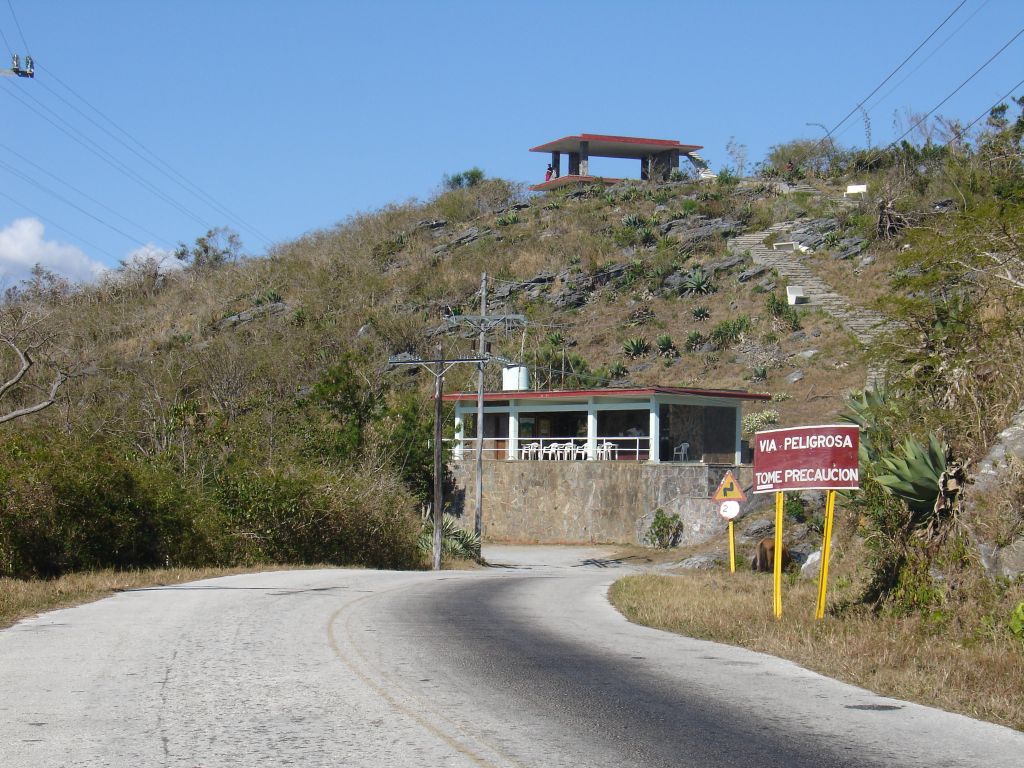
515	377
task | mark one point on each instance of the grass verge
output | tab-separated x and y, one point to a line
905	657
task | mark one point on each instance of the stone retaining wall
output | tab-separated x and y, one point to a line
584	502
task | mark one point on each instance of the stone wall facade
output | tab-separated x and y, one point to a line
590	502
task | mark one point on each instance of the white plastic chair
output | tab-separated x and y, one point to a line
681	452
531	451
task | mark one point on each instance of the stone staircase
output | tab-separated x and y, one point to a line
865	324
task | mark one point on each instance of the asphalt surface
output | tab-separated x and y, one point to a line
520	665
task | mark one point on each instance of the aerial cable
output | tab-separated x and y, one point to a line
110	159
181	180
18	25
86	195
957	89
932	53
989	110
10	51
57	226
25	177
891	74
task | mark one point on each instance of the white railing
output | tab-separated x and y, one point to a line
616	448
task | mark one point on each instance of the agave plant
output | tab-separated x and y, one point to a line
555	339
647	236
634	221
508	219
618	370
636	346
456	541
913	471
666	347
698	282
701	313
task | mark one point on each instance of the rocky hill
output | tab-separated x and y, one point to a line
240	409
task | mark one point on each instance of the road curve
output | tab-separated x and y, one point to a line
522	665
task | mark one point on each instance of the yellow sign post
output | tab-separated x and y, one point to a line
729	494
732	549
777	558
826	548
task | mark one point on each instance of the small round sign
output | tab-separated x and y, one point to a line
729	509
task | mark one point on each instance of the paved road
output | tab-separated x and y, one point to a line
523	665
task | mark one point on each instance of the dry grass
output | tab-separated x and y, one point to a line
20	598
904	657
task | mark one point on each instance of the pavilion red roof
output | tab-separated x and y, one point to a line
568	394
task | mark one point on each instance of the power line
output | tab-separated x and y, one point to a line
957	89
57	226
86	195
929	56
104	155
18	25
175	176
25	177
10	50
989	110
170	172
898	68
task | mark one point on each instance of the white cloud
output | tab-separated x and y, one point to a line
152	254
23	245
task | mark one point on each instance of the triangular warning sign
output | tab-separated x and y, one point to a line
729	489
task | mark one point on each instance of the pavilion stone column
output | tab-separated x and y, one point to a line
574	163
739	435
556	163
591	430
513	433
584	158
654	454
661	164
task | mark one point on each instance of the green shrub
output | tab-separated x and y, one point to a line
463	179
758	420
730	331
694	341
665	530
1016	622
781	309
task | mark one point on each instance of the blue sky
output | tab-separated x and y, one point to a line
295	115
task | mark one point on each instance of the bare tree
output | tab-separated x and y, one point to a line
738	153
27	341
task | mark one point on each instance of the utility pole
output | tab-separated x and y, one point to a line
483	324
438	474
478	522
440	367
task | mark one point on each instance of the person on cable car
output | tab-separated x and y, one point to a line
15	62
